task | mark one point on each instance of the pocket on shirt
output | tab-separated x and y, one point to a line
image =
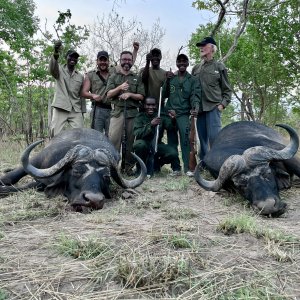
213	79
76	85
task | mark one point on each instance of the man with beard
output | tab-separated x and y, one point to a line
68	106
94	87
144	129
216	93
125	91
183	92
154	77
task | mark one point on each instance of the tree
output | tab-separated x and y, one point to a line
114	34
264	66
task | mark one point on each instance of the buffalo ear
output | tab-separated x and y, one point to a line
283	178
56	187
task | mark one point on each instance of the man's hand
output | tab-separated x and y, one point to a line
172	114
220	107
148	58
125	96
124	86
136	46
155	121
57	46
96	97
169	74
194	112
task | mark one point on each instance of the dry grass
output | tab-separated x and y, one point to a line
166	243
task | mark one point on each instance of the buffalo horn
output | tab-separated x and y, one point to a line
44	173
125	183
260	154
232	165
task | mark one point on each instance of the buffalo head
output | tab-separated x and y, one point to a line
253	177
82	175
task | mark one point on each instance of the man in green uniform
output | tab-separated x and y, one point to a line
145	126
125	91
68	106
183	93
216	93
153	78
94	87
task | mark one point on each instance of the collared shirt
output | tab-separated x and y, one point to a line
68	88
156	79
135	86
184	94
98	86
214	83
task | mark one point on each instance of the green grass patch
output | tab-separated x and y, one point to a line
81	249
245	223
180	213
179	241
180	183
142	270
3	295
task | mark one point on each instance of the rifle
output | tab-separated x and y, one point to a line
193	138
124	139
154	143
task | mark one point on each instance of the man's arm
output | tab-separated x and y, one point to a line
136	46
53	64
226	88
85	93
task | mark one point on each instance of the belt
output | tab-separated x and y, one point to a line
102	105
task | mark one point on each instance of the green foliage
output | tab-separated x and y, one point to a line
82	249
17	22
3	295
264	68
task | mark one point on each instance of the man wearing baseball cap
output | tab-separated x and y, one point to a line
183	93
68	106
216	93
94	87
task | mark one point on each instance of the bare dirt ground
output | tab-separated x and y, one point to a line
163	243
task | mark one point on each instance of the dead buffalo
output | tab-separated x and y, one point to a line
78	164
252	159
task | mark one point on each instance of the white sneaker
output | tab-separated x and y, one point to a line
190	173
175	173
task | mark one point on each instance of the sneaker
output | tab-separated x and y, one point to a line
175	173
189	174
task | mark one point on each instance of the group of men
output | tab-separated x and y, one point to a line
124	104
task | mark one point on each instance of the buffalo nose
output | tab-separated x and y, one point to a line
95	201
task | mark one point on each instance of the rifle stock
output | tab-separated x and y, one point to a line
193	145
124	140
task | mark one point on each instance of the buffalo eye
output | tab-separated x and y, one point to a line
78	170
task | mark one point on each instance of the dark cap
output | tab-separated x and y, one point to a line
72	52
155	50
181	55
102	54
205	41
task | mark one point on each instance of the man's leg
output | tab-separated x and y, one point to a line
116	131
59	118
75	119
183	125
202	132
172	138
213	124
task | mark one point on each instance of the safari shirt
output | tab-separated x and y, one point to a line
68	88
214	83
156	80
97	86
135	86
143	130
184	94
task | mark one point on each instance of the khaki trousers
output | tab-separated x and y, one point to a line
116	135
62	117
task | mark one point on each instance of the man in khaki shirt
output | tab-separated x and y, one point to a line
68	106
